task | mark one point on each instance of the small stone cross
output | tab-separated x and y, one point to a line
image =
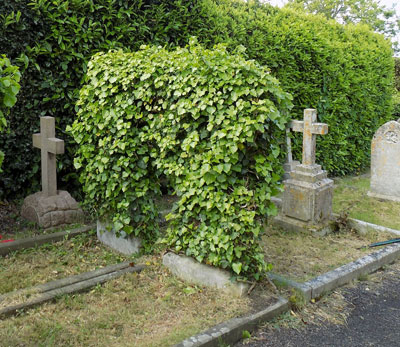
50	146
309	130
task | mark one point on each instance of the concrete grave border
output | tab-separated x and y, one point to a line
192	271
231	330
30	242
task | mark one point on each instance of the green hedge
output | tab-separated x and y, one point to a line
9	88
397	73
56	39
210	122
344	72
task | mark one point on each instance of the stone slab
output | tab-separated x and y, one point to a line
68	289
124	244
231	331
6	248
192	271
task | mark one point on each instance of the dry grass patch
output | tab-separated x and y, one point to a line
350	196
50	262
152	308
302	256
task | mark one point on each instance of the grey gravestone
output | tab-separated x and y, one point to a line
51	207
385	162
307	197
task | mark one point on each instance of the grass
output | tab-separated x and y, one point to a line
302	256
350	196
152	308
49	262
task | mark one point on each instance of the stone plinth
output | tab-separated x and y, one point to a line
123	243
288	167
385	162
307	200
51	211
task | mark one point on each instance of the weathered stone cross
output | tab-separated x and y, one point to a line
309	130
50	146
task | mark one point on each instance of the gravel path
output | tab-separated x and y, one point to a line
373	320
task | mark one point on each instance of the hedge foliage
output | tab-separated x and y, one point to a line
9	88
397	73
210	122
344	72
52	41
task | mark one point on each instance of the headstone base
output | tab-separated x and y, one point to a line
296	225
124	244
307	201
192	271
383	196
50	212
308	195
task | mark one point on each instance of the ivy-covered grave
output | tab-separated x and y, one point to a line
207	124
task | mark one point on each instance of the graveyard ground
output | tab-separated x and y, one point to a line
350	196
154	308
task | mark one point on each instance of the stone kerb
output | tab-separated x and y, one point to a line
385	162
194	272
125	244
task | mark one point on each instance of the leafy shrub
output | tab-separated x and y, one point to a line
208	121
9	88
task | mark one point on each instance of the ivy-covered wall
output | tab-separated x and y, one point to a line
344	72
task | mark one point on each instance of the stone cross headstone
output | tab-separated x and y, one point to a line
50	208
50	146
385	162
307	197
309	129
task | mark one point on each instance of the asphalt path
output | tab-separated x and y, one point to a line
373	320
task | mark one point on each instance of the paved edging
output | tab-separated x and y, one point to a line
9	247
231	331
351	271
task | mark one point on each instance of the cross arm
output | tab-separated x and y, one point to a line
37	140
54	145
316	128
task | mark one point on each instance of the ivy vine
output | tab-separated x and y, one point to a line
208	121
